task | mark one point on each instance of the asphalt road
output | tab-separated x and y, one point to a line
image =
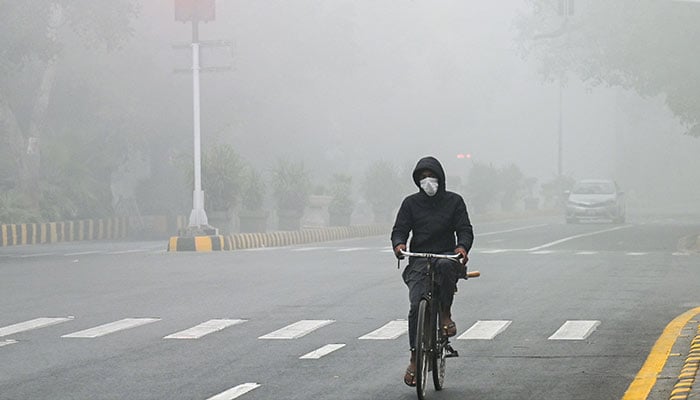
619	284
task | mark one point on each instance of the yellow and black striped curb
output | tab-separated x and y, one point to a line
67	231
646	378
273	239
197	243
686	379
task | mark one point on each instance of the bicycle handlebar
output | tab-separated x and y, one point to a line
453	257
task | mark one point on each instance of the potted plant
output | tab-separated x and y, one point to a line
341	206
252	217
291	184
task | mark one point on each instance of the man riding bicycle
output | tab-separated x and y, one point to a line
439	223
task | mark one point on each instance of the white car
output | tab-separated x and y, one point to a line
595	199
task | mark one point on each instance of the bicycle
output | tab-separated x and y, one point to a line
432	344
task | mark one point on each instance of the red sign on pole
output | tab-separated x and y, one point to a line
195	10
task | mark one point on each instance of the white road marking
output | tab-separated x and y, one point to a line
575	330
586	253
116	326
36	255
542	252
512	230
485	330
494	251
205	328
566	239
297	329
128	251
235	392
308	248
678	253
352	249
32	324
389	331
7	342
325	350
81	253
634	253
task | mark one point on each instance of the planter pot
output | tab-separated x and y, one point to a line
339	219
253	221
289	220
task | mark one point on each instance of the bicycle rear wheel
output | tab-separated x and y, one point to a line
438	356
423	348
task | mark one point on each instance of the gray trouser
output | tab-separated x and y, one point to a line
418	282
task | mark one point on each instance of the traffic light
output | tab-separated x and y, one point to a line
195	10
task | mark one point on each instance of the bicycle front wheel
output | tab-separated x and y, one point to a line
439	353
423	348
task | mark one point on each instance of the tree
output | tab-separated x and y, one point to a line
644	45
32	36
383	189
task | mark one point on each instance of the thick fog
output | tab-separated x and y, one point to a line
341	84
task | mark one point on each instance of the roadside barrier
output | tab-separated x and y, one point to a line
67	231
240	241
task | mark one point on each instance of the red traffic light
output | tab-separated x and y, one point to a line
195	10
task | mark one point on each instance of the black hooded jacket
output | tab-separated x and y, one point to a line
439	223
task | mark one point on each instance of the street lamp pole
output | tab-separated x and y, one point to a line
198	217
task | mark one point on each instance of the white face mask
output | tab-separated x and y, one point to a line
429	186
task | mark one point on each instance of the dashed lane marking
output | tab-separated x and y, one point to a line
512	230
7	342
309	248
566	239
205	328
32	324
484	330
389	331
542	252
116	326
235	392
586	253
352	249
297	329
575	330
323	351
82	253
634	253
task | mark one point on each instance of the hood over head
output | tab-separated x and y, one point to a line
432	164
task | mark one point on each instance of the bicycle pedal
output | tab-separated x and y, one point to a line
450	352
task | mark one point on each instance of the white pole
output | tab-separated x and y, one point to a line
198	217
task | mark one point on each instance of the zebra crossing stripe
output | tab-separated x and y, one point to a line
32	324
484	330
235	391
297	329
7	342
205	328
111	327
323	351
575	330
389	331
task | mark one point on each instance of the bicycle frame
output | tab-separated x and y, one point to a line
432	345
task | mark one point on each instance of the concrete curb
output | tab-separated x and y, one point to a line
67	231
685	385
240	241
